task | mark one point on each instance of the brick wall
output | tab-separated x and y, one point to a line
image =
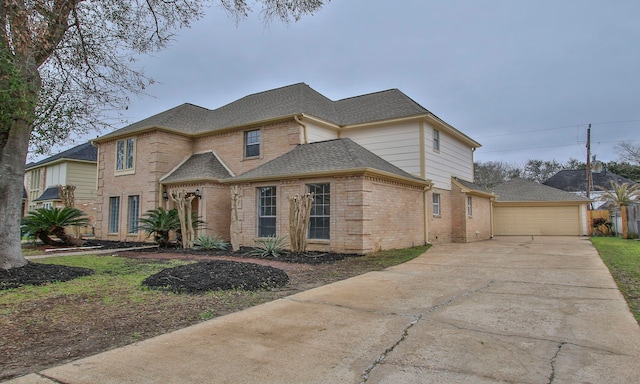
440	225
275	140
479	224
156	154
367	214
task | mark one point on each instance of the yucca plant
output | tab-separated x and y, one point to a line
159	223
44	222
269	246
208	242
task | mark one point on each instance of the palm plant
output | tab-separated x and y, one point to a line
621	196
159	223
44	222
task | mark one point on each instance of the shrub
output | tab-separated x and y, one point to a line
208	242
45	222
269	246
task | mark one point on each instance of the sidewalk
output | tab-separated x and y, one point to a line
542	310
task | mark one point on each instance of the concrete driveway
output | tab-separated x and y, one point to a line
508	310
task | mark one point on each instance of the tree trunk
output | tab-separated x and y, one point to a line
623	216
60	233
14	144
44	237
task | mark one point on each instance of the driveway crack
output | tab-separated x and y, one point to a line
552	375
417	318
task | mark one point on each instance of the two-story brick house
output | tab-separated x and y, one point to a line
385	171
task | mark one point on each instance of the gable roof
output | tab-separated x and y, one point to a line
82	152
576	180
280	103
526	190
325	157
199	166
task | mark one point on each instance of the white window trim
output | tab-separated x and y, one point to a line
436	140
469	206
124	170
438	204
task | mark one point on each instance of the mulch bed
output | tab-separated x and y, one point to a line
39	274
208	274
217	275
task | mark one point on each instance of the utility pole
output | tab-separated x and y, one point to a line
589	162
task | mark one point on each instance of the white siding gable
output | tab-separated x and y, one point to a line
398	144
318	133
454	158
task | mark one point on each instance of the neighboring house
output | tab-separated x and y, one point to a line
75	166
381	167
575	181
524	207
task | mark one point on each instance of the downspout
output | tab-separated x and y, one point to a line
304	129
492	200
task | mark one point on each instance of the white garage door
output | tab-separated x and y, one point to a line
541	221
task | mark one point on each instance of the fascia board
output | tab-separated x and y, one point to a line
342	172
539	203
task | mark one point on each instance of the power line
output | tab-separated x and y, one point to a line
555	146
557	128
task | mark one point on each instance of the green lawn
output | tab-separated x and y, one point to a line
622	257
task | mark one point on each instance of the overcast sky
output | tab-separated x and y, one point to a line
522	77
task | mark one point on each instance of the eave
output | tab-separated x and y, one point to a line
332	173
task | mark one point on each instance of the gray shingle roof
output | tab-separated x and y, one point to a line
576	180
324	156
281	102
198	167
51	193
83	152
470	185
525	190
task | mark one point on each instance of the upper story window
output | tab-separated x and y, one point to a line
34	183
436	140
252	143
125	154
436	204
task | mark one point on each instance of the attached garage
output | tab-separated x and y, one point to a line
527	208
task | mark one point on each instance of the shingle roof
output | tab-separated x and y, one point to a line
576	180
51	193
324	156
525	190
197	167
471	185
281	102
83	152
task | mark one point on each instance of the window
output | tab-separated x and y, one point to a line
266	212
114	214
469	206
133	212
436	204
252	143
35	179
320	211
436	140
125	150
34	189
47	205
